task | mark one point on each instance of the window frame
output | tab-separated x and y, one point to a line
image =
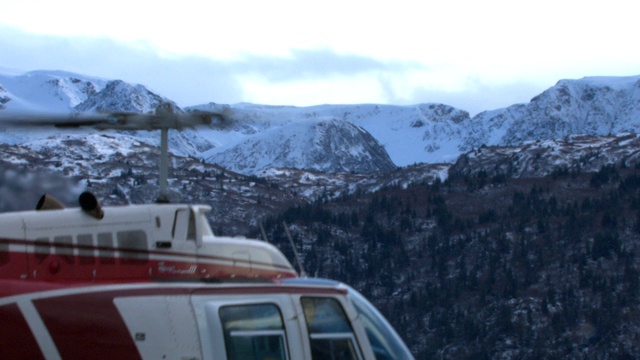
338	335
228	334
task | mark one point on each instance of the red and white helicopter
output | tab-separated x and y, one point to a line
154	282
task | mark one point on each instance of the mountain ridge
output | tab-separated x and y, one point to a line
422	133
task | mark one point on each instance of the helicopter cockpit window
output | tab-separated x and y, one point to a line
330	332
254	332
385	342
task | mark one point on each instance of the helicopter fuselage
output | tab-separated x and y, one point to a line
152	281
135	242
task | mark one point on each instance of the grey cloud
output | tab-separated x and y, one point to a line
313	64
187	80
192	80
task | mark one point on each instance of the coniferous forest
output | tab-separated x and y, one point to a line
486	266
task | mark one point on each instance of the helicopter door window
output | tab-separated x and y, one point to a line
85	249
133	246
63	246
254	332
330	333
105	248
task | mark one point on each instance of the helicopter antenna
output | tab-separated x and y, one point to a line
264	234
295	251
163	171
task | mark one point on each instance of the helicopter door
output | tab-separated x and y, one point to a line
180	257
247	326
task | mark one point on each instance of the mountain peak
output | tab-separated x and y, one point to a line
118	95
324	144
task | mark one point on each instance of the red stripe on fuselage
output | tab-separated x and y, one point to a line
130	264
132	252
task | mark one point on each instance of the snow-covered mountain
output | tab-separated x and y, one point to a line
435	133
424	133
326	145
359	138
122	96
48	91
589	106
60	91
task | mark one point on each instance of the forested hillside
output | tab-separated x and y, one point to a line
486	266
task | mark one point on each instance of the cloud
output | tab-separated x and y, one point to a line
317	64
302	77
317	76
191	80
188	80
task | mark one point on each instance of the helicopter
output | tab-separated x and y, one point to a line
153	281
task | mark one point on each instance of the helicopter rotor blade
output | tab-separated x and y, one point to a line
25	120
164	119
114	120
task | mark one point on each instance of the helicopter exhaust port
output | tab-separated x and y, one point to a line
48	202
90	204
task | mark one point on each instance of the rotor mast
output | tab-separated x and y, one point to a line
163	171
165	118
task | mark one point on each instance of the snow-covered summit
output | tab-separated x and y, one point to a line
64	92
50	91
614	82
118	95
589	106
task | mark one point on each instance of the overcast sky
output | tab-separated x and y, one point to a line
474	55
